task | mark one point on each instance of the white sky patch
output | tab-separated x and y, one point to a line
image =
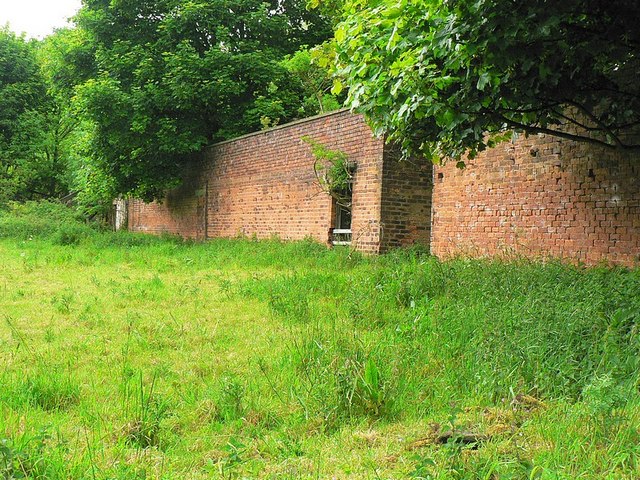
37	18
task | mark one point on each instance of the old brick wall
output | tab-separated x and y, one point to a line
263	185
406	200
542	197
180	213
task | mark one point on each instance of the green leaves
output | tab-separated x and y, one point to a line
33	125
436	76
483	80
175	76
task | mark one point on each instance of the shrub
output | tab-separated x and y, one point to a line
71	234
45	219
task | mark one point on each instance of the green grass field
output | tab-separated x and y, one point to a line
133	357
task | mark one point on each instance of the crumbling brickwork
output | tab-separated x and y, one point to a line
540	196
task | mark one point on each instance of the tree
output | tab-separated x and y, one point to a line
446	78
174	75
22	96
67	59
37	120
310	68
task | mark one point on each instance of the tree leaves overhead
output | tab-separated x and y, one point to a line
447	78
174	75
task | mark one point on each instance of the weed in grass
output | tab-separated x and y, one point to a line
62	302
235	450
295	309
229	398
17	335
226	287
148	410
289	299
339	380
604	402
36	457
360	388
19	294
49	335
29	262
423	466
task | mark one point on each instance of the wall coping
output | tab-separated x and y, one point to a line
279	127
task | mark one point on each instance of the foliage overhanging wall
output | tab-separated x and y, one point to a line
538	196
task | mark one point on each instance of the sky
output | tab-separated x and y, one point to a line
37	18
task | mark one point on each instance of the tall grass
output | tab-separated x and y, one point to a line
159	358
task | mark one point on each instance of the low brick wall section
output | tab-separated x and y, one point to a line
406	200
264	185
541	196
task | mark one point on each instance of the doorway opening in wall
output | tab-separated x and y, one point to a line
341	231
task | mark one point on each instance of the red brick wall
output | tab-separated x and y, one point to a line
406	200
181	212
543	197
540	196
264	184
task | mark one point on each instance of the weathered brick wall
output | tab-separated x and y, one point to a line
406	200
264	184
540	196
181	212
367	188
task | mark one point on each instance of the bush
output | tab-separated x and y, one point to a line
71	234
45	219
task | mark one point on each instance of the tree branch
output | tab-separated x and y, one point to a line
575	122
568	136
604	127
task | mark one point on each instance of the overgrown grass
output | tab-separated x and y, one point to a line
128	356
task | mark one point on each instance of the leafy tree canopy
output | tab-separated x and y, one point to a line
174	75
311	68
67	59
446	78
23	98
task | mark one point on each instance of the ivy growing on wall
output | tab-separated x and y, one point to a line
334	171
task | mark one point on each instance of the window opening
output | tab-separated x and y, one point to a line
335	175
341	233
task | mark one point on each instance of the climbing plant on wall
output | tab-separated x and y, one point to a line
334	171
